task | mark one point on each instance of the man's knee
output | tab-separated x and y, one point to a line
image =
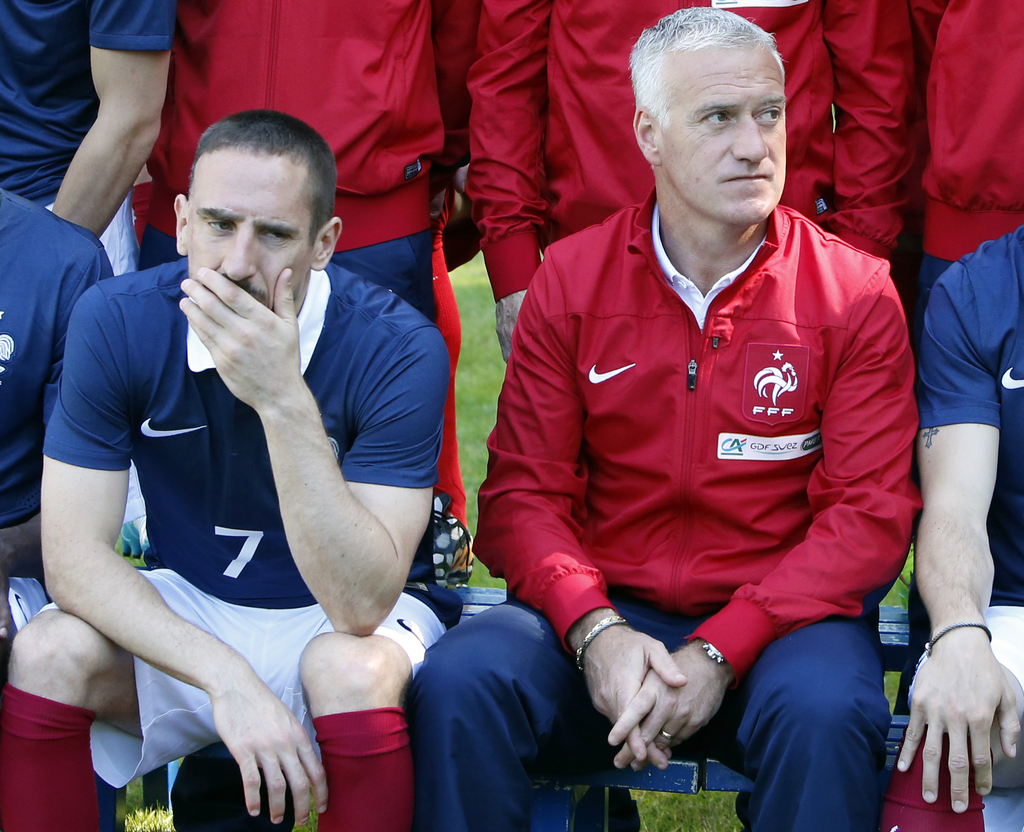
60	657
342	673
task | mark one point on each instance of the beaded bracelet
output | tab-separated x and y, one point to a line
928	647
599	627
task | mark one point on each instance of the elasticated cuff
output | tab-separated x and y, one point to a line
511	263
741	632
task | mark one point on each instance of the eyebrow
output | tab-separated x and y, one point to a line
224	215
714	107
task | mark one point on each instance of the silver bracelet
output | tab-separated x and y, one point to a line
599	627
928	647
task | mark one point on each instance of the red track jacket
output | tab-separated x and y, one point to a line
383	83
553	149
757	472
971	53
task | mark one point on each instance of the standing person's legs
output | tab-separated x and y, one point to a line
402	265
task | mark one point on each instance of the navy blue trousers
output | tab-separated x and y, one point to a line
402	265
498	700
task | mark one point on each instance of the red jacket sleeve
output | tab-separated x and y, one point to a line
532	502
861	497
508	83
453	31
873	64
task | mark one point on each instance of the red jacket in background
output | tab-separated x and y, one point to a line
971	52
551	132
757	472
383	82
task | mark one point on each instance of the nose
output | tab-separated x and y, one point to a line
239	261
749	141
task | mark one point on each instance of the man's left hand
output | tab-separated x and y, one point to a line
255	349
678	711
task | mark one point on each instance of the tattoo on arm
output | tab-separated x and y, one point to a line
927	435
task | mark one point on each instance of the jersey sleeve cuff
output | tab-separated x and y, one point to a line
131	43
511	263
741	631
569	599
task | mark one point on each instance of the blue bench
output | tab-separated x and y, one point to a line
579	803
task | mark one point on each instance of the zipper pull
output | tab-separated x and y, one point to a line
691	374
714	342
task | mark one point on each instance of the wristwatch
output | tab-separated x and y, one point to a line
713	652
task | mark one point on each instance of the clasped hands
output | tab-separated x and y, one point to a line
644	690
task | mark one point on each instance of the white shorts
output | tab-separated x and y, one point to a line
26	597
119	240
177	718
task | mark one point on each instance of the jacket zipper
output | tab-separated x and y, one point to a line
272	59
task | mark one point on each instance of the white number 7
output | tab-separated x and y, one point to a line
248	548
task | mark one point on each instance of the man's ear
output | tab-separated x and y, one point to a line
648	136
181	221
326	240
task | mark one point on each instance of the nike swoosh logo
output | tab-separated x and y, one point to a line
148	431
597	377
1011	383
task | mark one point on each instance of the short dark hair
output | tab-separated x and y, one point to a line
271	133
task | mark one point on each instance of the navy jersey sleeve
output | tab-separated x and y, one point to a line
132	25
400	412
80	276
90	424
958	365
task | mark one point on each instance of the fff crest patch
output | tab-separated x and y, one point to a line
775	382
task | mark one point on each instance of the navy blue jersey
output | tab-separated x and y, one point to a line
971	368
45	265
134	389
47	98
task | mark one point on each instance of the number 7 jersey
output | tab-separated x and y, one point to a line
138	386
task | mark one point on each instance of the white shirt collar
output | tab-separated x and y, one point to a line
310	322
686	288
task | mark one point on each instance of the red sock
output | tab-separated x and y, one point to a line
46	779
368	762
449	473
904	808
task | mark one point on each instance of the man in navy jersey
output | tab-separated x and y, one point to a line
969	554
83	85
45	266
285	422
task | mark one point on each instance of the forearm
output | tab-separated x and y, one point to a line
21	550
103	170
130	87
346	556
954	568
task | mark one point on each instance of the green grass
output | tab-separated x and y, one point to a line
478	381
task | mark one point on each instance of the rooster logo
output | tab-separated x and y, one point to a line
6	349
781	381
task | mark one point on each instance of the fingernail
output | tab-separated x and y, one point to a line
902	766
959	806
929	797
321	809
